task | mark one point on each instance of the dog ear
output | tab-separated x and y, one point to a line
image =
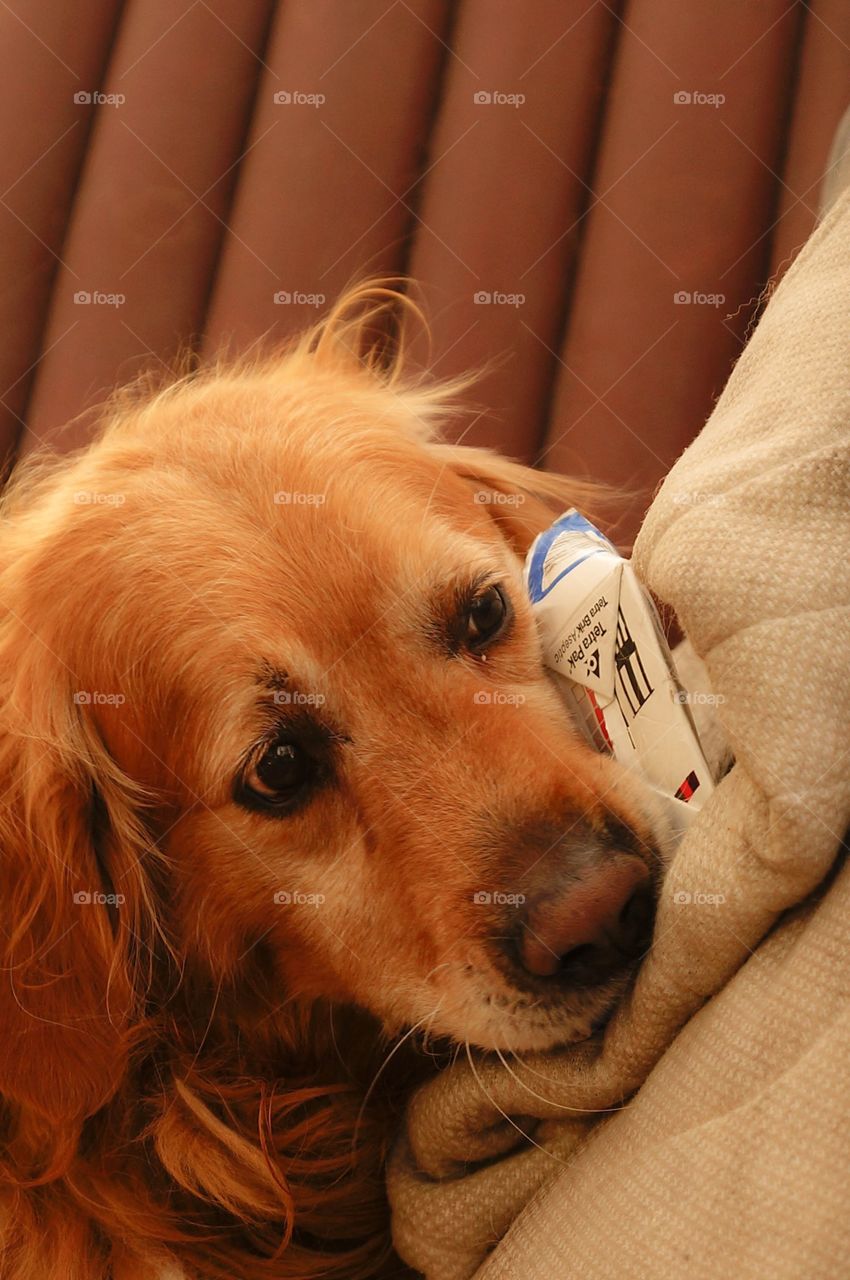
377	327
521	500
74	904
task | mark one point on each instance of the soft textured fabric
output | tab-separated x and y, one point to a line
732	1157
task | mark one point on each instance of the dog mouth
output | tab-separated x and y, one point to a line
556	981
511	1019
546	1018
557	966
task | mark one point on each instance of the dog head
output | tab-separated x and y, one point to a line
273	697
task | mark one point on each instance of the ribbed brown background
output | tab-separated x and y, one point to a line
588	194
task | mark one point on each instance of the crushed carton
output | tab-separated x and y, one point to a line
603	641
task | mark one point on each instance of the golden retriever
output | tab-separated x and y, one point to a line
277	744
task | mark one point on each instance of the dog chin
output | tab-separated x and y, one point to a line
515	1022
537	1030
530	1038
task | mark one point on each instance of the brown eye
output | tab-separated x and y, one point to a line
280	774
486	616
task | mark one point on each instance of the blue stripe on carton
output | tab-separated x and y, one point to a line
570	522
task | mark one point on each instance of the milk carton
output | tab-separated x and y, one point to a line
603	642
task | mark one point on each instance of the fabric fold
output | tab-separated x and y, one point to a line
748	540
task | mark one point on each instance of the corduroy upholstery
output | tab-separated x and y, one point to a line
532	151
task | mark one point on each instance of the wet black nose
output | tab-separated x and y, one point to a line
593	927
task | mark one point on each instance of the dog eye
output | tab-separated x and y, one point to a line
280	773
486	616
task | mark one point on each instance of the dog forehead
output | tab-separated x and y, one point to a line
368	526
254	551
366	574
351	584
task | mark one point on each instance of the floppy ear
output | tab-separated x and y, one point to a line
72	919
521	500
370	326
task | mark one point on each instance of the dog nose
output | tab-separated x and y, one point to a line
593	927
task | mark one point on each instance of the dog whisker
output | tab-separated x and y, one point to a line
510	1120
551	1102
370	1090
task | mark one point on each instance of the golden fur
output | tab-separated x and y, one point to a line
181	1072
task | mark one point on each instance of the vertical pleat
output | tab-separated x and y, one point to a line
525	160
823	94
499	213
49	53
342	118
683	191
152	203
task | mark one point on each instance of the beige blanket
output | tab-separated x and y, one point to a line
732	1159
